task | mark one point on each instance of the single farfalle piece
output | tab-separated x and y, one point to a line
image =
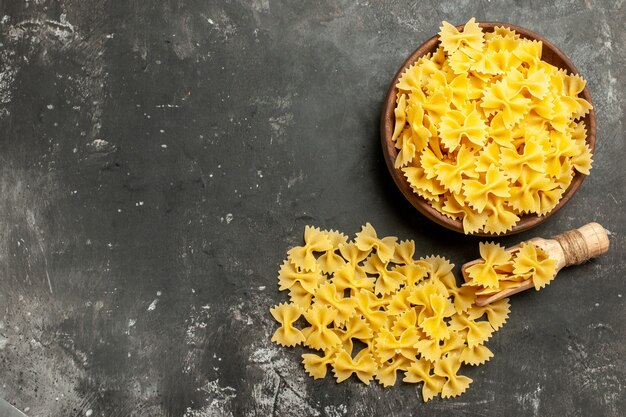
328	294
429	349
404	251
433	324
314	241
477	331
414	138
437	105
418	131
387	345
530	259
432	349
465	60
532	156
583	160
476	355
387	371
406	320
428	161
288	276
355	328
400	114
496	62
456	207
452	39
502	32
565	177
525	194
497	313
411	80
316	365
348	277
488	156
363	365
437	266
286	315
564	106
501	97
387	281
406	148
500	134
420	294
448	368
300	296
529	52
353	256
454	344
535	82
463	296
367	304
399	303
458	89
494	184
429	188
437	81
561	146
456	125
367	239
318	335
420	371
413	274
573	85
500	217
484	272
331	261
451	173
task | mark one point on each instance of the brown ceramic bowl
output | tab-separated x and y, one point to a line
551	55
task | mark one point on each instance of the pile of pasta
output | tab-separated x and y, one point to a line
369	308
500	269
487	131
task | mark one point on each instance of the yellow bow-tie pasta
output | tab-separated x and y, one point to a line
397	318
487	131
499	269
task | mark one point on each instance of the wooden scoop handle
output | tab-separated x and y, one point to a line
580	245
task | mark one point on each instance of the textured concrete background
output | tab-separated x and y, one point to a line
157	159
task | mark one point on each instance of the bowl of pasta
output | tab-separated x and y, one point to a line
488	129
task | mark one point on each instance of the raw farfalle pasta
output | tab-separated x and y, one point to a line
286	334
500	269
486	131
367	308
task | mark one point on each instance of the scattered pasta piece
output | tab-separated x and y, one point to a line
286	334
373	311
484	273
534	261
487	132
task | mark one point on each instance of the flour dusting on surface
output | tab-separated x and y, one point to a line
220	400
336	410
153	304
531	401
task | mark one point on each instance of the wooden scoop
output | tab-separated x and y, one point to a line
570	248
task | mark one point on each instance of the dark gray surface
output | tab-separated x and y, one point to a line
157	161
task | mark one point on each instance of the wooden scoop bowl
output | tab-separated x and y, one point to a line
570	248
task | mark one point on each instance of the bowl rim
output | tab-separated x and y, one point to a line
387	121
